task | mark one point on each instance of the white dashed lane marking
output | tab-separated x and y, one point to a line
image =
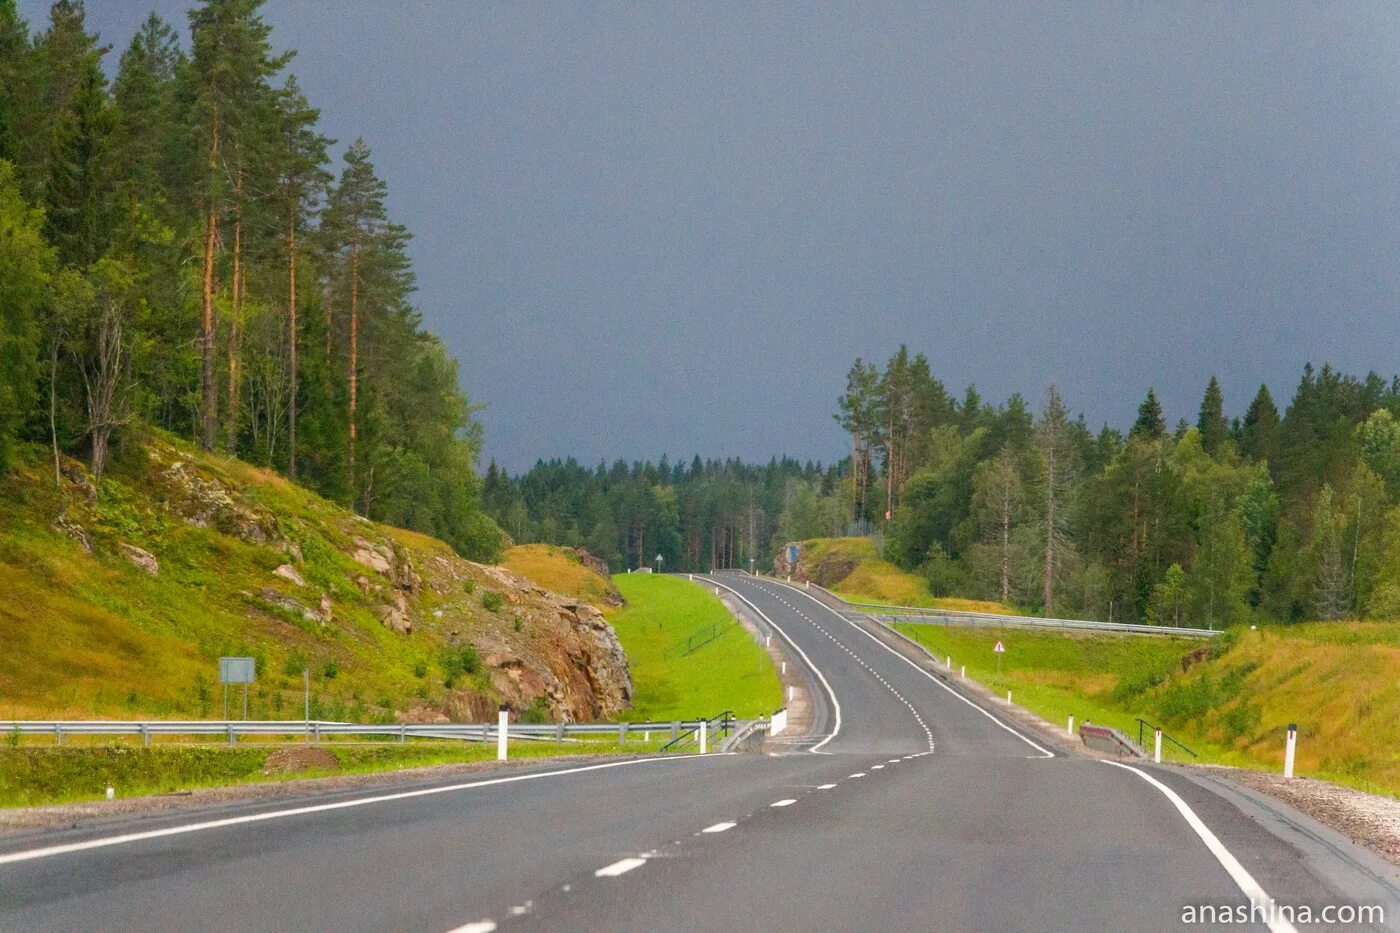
620	867
783	803
928	733
718	827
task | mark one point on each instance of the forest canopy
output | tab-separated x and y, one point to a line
177	250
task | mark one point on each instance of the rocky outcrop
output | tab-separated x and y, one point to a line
140	557
289	573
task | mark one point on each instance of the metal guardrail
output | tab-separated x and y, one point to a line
918	615
315	729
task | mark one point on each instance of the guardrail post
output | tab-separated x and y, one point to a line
145	735
57	734
675	730
559	732
1290	749
230	733
502	732
403	733
316	733
621	732
704	735
1157	745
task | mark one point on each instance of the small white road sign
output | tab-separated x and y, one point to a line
1000	648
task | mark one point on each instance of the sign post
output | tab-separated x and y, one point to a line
236	671
999	650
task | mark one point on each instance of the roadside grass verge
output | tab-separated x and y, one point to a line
35	776
1229	699
730	672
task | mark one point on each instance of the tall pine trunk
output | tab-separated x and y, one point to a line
1049	581
354	359
1005	544
209	399
236	322
292	338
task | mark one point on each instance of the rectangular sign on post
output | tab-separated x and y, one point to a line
235	670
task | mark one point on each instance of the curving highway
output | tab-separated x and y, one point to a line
910	806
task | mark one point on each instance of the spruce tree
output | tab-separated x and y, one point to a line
1260	428
1150	423
1211	421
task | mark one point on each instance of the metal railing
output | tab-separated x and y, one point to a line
717	727
315	729
919	615
1144	725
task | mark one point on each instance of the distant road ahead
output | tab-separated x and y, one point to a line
913	808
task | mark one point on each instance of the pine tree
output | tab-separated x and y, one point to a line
25	262
231	64
302	179
1057	466
1211	420
370	272
1150	423
15	96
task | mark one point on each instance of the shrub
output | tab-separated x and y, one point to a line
458	660
329	670
294	663
420	668
469	585
492	601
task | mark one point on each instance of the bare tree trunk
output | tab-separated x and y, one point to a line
53	408
102	381
209	400
1049	581
354	358
292	339
236	322
889	469
1005	544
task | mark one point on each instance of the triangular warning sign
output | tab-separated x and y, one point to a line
1000	648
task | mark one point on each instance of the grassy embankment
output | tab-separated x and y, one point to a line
730	672
559	571
32	776
1229	699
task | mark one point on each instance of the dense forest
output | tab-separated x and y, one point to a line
1213	522
178	251
708	514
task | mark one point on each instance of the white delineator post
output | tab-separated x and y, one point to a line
964	672
1290	749
704	737
502	732
1069	729
791	688
1008	698
1157	745
950	662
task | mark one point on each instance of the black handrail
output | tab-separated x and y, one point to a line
1144	724
724	721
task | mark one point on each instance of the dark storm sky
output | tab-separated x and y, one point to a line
647	228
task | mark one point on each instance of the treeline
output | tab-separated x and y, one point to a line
175	250
1211	522
709	514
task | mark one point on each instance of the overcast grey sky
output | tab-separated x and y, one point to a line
661	228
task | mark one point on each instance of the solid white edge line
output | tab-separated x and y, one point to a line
1252	889
103	842
1045	752
718	827
620	867
835	705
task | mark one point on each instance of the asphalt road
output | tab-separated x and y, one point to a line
911	808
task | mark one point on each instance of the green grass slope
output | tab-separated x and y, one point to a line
391	624
1229	699
730	672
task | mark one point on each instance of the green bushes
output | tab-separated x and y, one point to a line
457	661
492	601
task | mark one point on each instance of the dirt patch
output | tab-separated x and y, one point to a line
1368	819
303	758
